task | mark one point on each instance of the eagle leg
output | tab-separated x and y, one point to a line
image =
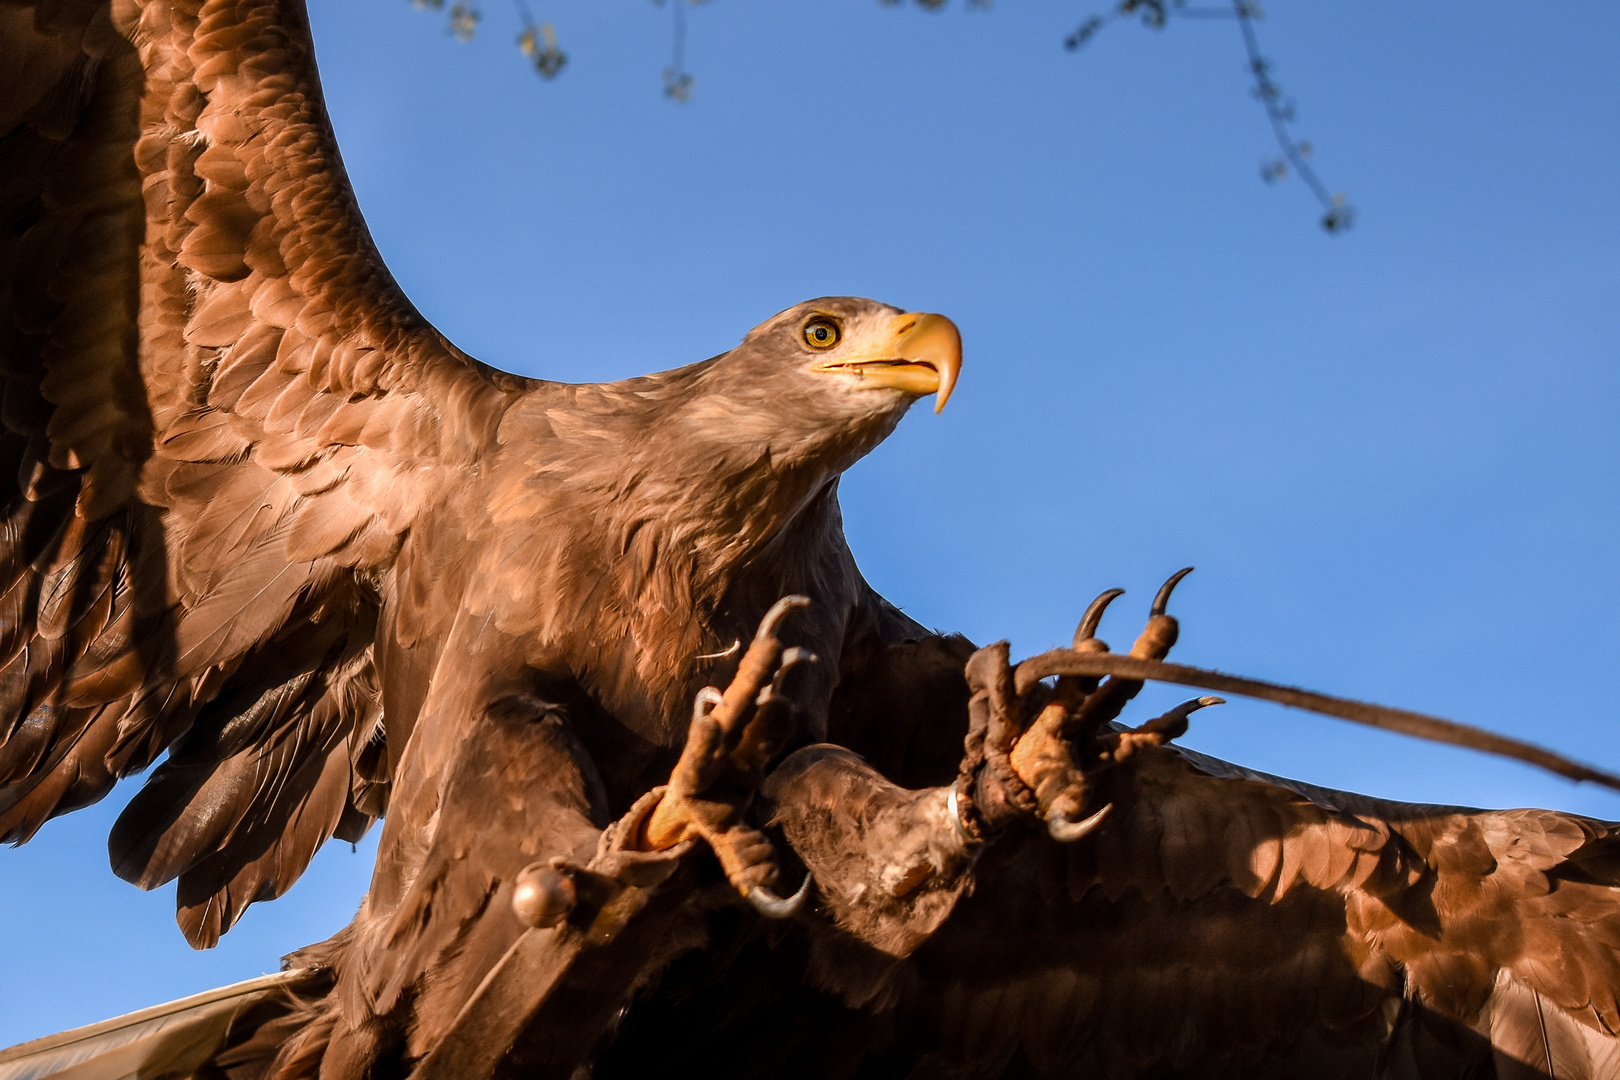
1046	768
733	736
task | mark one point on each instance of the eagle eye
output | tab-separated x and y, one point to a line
821	333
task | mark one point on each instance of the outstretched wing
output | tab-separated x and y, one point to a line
222	416
1217	924
1220	918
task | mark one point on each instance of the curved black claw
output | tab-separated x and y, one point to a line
1093	616
772	906
792	658
1187	708
1065	831
1161	601
1173	724
779	610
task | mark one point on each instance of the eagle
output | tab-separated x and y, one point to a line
276	539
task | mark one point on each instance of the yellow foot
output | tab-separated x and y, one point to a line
1045	766
734	735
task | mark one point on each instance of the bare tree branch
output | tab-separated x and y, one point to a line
1337	213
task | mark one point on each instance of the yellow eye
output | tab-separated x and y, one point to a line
821	333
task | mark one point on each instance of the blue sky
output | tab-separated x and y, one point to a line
1393	455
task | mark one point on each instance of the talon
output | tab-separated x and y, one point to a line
708	696
772	906
1065	831
1173	724
1087	630
732	650
779	610
792	658
1163	598
1182	711
732	737
1159	636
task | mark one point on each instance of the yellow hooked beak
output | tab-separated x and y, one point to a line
922	355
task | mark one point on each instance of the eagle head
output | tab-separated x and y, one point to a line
858	355
826	380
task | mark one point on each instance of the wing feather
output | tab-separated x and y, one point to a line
1371	938
222	415
1491	918
240	807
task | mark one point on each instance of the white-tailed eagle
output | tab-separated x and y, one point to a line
274	535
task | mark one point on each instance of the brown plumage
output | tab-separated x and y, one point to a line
269	521
1219	923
